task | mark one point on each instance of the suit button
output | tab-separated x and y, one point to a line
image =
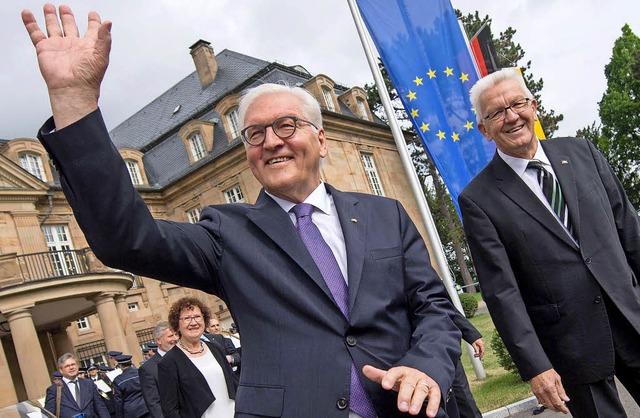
351	340
597	299
342	403
587	260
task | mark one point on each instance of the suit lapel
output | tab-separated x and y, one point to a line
353	222
518	191
267	215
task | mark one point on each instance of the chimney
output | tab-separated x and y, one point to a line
205	62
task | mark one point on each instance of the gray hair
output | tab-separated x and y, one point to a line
310	107
492	80
65	357
159	329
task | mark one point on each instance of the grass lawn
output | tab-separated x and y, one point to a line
500	388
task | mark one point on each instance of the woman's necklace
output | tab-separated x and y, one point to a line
189	351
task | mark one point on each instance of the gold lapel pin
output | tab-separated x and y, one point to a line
354	220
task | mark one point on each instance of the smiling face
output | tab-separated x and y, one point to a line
167	340
514	135
193	327
287	168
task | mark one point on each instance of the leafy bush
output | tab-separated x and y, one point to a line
469	305
504	359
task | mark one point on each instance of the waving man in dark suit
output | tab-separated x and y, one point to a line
556	244
334	292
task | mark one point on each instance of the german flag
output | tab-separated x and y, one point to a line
484	52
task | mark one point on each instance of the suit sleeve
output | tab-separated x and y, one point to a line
98	404
169	390
501	291
115	220
232	351
50	399
469	333
150	392
118	400
435	346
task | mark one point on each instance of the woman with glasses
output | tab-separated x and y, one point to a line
195	379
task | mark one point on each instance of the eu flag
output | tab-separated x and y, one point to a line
425	53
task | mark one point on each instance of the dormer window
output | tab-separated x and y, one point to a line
33	164
234	124
196	144
328	99
362	108
134	172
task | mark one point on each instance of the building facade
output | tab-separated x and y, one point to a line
183	152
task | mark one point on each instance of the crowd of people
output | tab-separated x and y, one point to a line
341	311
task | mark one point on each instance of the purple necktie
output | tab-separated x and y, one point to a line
325	260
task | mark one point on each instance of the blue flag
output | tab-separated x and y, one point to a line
426	55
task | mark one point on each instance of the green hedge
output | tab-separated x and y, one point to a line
469	305
504	359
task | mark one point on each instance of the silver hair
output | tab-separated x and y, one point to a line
65	357
492	80
310	107
159	329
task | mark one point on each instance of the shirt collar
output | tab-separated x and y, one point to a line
519	165
319	198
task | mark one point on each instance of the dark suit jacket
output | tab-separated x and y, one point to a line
544	292
184	391
229	348
149	383
90	401
128	395
297	347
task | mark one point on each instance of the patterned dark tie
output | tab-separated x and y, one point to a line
552	191
325	260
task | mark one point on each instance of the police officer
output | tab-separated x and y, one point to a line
128	399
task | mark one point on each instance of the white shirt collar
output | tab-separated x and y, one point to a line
519	165
319	198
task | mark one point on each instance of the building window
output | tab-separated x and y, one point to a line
328	99
83	324
133	307
197	146
234	195
362	108
193	215
134	172
33	164
63	259
234	125
372	174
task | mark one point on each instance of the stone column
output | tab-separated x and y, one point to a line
114	337
30	358
7	392
130	334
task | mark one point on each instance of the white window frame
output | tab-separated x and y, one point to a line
134	172
83	324
328	99
133	307
58	239
196	143
362	108
372	174
234	123
193	215
234	195
33	164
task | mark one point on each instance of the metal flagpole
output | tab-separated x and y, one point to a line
410	171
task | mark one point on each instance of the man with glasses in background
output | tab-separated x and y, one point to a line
341	313
556	244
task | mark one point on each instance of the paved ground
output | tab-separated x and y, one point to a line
525	408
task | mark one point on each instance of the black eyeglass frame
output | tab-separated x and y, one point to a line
273	124
499	114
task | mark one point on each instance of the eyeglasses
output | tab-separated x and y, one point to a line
188	319
517	107
283	127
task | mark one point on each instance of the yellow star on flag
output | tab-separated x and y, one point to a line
464	77
424	127
473	109
411	95
448	71
431	74
468	125
441	135
456	137
418	81
414	113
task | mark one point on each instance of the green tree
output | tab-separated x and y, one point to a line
619	112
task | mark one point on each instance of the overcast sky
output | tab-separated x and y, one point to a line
569	43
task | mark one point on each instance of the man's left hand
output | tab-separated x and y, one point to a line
412	385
